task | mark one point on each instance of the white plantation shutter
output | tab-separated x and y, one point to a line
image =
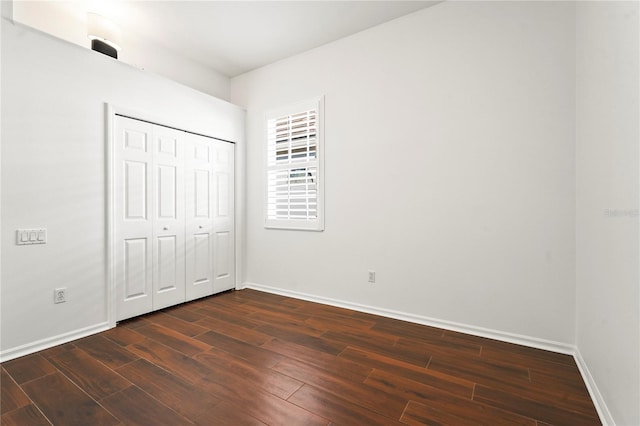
294	172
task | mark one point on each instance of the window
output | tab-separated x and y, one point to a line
294	198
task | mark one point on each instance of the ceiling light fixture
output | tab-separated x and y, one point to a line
104	35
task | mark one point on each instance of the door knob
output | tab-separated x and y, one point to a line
165	228
200	226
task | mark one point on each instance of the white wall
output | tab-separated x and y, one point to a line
53	174
67	20
607	121
450	168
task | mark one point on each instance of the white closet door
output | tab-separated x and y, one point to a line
199	223
133	155
223	216
168	217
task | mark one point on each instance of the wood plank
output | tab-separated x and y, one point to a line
122	335
247	335
367	339
285	307
497	347
176	393
299	337
335	365
253	354
64	403
193	305
176	324
243	309
266	313
339	410
338	323
133	406
526	407
566	380
231	298
564	392
28	415
11	396
226	413
232	316
28	368
410	389
171	360
382	344
222	304
407	329
223	363
173	339
106	351
480	370
237	313
294	322
364	315
328	311
89	374
461	408
417	414
262	405
439	347
51	352
185	312
261	296
133	323
527	357
457	386
360	394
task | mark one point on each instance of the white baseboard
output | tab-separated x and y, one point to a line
50	342
534	342
519	339
603	411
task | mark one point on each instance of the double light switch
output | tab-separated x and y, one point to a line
31	236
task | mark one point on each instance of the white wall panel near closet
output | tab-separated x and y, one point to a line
173	206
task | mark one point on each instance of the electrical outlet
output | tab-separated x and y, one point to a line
60	295
372	276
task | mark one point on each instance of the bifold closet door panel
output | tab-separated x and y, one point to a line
168	217
173	216
223	217
133	253
199	223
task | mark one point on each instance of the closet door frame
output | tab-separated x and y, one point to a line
110	111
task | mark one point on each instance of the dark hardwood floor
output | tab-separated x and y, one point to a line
252	358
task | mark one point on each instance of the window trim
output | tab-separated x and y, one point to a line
316	224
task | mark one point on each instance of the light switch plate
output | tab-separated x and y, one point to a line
31	236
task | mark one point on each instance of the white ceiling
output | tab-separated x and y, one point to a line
234	37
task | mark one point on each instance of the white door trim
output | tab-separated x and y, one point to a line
110	112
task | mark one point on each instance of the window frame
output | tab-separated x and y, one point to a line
316	224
